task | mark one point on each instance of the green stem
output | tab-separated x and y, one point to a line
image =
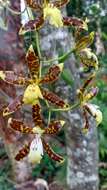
49	117
67	109
49	113
39	52
37	44
62	58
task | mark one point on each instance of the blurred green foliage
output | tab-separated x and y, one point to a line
101	100
5	182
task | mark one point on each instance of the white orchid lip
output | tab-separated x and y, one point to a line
36	150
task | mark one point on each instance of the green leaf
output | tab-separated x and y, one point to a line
103	172
67	77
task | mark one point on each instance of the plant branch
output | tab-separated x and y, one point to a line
61	58
66	109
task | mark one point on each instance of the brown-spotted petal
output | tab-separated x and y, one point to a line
86	124
33	61
88	58
60	3
33	4
71	21
12	78
36	114
19	126
87	82
51	153
23	152
53	98
93	92
53	73
13	106
54	127
84	42
32	25
94	111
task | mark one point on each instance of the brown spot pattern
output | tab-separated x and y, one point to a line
23	152
51	153
32	25
53	98
20	126
52	75
14	106
53	128
60	3
33	62
36	113
70	21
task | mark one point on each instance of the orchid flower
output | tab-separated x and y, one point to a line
35	149
34	89
51	12
84	97
87	57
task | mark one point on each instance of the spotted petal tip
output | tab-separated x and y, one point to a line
22	31
85	24
61	66
62	161
6	112
31	47
62	122
2	75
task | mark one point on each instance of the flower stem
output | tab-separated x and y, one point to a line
39	51
49	117
62	58
49	113
66	109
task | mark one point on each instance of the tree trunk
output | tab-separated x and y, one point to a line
82	150
12	57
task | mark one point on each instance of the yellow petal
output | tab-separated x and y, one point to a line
2	75
38	130
85	24
62	122
84	42
61	66
99	117
54	14
96	113
34	157
32	94
88	58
